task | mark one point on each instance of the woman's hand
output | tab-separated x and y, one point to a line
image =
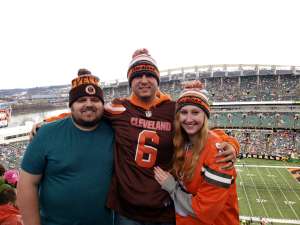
160	175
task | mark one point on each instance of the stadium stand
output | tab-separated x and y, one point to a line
11	154
256	84
233	84
258	104
256	87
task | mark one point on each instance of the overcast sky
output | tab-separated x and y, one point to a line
45	42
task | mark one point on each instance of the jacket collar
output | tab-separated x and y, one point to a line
159	98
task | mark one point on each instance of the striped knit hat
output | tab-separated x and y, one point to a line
194	94
85	84
142	63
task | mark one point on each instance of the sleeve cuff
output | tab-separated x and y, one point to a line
169	184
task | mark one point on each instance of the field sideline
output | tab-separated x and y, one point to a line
266	189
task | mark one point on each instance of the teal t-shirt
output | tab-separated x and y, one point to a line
77	169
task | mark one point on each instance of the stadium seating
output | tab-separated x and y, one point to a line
268	131
229	86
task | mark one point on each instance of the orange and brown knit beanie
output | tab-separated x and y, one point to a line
85	84
142	63
194	94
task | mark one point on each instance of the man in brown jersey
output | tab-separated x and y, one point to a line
143	125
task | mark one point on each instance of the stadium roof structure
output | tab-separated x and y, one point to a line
256	103
234	67
216	70
12	134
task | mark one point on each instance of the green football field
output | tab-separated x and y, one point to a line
266	189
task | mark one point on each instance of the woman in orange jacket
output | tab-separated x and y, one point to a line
202	192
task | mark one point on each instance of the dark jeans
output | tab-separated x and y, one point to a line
122	220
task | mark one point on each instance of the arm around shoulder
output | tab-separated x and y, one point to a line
229	139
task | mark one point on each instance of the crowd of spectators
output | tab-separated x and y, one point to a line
11	154
277	142
268	142
265	87
283	120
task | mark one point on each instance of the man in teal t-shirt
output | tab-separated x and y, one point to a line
60	182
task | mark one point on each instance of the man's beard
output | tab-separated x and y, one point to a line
86	124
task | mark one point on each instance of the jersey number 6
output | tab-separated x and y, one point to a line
145	155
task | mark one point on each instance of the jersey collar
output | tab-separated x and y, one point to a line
159	98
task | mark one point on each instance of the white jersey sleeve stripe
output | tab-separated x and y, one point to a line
217	178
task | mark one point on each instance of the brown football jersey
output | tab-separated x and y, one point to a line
143	139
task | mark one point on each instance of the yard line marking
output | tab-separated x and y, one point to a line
261	177
246	195
293	210
288	184
266	213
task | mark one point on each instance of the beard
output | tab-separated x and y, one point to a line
84	123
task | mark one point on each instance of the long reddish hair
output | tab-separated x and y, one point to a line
183	166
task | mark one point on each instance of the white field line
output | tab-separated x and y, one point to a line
261	177
246	195
293	210
258	195
284	178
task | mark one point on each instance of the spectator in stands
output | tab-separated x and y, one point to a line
209	194
9	214
2	170
59	183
